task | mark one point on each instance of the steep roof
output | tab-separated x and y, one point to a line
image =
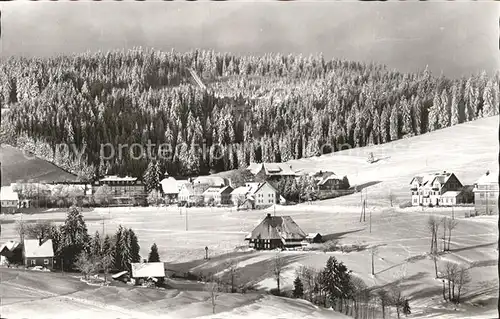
32	248
9	245
270	169
142	270
278	227
250	188
328	177
216	190
7	193
491	178
451	194
214	181
169	185
428	179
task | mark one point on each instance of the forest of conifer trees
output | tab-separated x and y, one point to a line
293	107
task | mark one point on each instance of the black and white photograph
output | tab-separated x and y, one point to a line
249	159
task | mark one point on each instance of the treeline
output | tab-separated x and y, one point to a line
334	286
75	249
278	107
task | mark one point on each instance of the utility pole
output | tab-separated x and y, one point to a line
373	264
370	221
186	219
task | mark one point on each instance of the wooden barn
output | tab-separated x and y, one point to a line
276	232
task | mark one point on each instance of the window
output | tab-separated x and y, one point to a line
33	262
45	261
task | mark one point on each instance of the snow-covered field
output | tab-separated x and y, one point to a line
468	150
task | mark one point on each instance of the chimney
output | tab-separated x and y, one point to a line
40	241
268	215
487	173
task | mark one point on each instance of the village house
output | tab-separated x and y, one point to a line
218	196
428	190
276	232
486	194
9	199
37	252
192	195
271	171
328	181
256	195
143	272
171	187
11	252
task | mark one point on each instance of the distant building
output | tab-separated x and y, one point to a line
192	194
125	189
148	271
329	181
9	199
314	238
170	188
428	189
38	253
276	232
486	194
218	195
271	171
256	195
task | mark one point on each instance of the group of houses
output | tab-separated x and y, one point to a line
445	189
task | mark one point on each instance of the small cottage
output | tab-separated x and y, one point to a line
314	238
218	196
38	252
153	271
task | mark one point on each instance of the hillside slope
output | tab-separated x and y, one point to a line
16	166
468	150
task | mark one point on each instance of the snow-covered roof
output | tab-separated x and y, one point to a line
329	177
428	179
312	235
215	181
119	274
169	185
490	178
281	169
278	227
32	248
242	190
9	245
115	178
144	270
215	190
452	194
7	193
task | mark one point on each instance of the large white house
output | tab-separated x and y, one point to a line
436	189
486	193
9	199
256	195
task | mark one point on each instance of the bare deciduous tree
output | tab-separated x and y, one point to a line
86	265
213	288
278	266
450	274
433	227
232	268
463	278
383	298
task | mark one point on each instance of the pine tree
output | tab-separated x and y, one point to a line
96	249
491	99
406	117
444	110
107	247
298	290
152	176
153	254
394	124
455	119
75	237
135	249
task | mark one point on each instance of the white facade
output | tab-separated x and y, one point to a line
265	195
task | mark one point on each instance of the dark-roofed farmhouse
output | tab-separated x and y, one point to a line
276	232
